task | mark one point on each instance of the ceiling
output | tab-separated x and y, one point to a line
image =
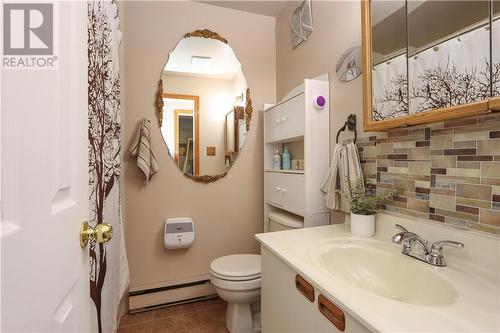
262	7
223	63
381	10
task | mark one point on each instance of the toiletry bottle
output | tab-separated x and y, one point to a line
277	160
285	159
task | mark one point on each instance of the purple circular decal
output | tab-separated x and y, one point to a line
320	101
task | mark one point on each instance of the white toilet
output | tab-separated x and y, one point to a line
236	279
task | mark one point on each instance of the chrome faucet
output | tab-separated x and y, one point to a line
433	256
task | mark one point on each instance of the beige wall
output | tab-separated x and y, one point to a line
216	100
227	213
337	27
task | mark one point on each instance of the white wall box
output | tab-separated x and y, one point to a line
296	123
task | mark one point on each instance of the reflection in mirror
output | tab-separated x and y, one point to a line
204	100
230	135
495	48
350	64
389	67
236	130
448	53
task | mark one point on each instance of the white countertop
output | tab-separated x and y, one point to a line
474	273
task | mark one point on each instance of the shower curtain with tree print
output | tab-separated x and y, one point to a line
108	265
456	71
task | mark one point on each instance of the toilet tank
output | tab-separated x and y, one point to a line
280	221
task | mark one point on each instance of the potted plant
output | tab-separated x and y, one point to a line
364	206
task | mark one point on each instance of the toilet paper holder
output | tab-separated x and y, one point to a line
178	233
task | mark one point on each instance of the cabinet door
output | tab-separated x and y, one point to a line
284	308
292	188
273	188
272	124
292	117
434	68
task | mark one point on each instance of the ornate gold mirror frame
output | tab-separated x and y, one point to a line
453	112
205	33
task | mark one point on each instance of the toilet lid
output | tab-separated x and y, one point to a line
237	267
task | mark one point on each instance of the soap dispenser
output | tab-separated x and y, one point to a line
277	160
285	159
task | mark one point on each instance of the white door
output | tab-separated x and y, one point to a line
44	271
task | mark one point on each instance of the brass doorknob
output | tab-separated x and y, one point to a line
102	233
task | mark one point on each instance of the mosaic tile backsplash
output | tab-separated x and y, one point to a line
448	172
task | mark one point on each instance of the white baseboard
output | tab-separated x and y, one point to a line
141	300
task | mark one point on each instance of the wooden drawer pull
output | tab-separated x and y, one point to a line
332	312
304	287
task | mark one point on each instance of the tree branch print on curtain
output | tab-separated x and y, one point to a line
437	88
104	137
394	102
444	87
495	80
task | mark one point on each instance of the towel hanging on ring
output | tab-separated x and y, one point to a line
345	165
142	150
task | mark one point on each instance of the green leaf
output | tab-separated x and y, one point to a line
362	203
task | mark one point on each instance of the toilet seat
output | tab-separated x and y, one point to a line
235	285
235	278
237	267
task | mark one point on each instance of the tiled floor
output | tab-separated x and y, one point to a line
198	317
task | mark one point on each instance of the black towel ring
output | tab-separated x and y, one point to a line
350	124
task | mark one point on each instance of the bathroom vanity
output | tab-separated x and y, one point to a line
291	304
324	279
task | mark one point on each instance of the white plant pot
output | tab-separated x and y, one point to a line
363	225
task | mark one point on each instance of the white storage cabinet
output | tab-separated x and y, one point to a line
298	124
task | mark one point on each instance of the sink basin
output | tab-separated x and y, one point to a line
380	268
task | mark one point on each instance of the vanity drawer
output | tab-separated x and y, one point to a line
304	287
332	312
285	190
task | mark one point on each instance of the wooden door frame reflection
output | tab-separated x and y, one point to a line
196	100
177	114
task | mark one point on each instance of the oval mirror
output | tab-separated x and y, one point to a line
203	106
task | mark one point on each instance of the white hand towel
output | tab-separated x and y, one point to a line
142	150
345	165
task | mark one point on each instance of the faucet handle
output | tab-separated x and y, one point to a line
437	247
398	238
400	227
